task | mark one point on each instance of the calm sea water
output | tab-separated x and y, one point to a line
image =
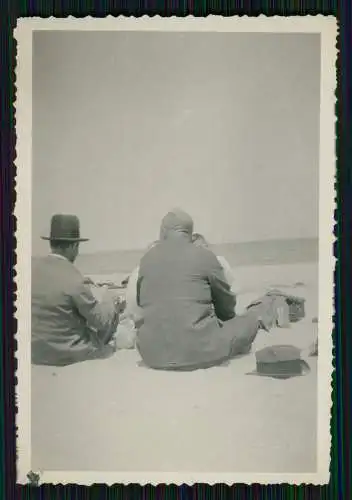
238	254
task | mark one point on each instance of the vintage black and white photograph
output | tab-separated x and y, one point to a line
175	204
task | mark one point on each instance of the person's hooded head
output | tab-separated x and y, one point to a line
176	223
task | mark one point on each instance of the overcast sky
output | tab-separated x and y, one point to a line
128	125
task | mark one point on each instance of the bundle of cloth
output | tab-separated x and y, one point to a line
285	309
296	305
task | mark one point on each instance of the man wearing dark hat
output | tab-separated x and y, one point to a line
68	323
188	307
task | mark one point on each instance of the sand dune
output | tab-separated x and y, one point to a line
118	416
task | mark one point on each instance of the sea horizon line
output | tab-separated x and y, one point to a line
226	244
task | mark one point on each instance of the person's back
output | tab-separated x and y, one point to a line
188	307
53	282
58	327
177	281
69	324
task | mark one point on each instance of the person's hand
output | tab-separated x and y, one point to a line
120	304
88	281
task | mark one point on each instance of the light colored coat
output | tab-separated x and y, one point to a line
227	271
132	309
69	324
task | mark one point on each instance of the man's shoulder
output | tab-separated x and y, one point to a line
52	265
156	252
205	253
163	255
64	263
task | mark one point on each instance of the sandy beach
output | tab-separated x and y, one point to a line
115	415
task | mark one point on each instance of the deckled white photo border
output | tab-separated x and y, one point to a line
327	27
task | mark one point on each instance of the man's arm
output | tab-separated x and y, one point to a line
138	291
227	270
223	299
101	316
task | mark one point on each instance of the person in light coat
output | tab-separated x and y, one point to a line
199	240
69	324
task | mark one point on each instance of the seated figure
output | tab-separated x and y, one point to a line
69	324
188	308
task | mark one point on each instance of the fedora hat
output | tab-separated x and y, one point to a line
64	228
280	361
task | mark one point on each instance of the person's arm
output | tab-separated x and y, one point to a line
102	316
139	282
227	270
223	299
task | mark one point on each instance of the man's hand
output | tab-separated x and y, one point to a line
120	304
88	281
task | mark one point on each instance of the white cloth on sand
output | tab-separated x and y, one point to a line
125	335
